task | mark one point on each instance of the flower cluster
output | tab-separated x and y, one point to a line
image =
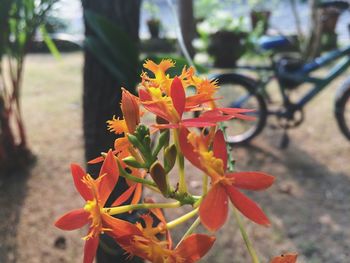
145	156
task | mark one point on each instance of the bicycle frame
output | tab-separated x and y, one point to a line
302	75
319	83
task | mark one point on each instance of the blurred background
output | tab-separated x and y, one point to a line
62	63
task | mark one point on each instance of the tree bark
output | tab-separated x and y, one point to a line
314	42
101	100
187	23
102	91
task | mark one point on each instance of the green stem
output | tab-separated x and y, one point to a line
182	219
134	178
190	230
231	161
181	162
245	237
136	154
127	208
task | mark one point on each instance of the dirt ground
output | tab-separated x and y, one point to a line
309	205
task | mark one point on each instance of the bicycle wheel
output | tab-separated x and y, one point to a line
342	109
237	91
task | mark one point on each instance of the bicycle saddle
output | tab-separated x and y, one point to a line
274	42
341	5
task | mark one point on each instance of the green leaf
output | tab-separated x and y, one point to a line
122	51
49	43
98	50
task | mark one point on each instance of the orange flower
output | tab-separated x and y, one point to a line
224	185
131	112
285	258
95	193
172	107
121	146
161	79
144	242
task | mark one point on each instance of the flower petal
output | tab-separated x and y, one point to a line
73	220
78	173
215	116
111	174
251	180
194	247
137	194
166	126
196	100
214	208
285	258
210	119
219	147
119	227
124	196
90	249
237	113
178	96
148	104
130	108
158	213
197	122
188	149
96	160
246	206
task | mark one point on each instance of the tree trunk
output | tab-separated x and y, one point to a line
314	43
101	98
187	23
102	91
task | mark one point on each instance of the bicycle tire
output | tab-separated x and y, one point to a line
342	108
231	84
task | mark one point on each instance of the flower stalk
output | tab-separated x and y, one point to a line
182	219
245	237
181	164
127	208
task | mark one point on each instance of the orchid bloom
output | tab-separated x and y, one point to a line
95	193
135	189
142	241
161	79
223	185
166	98
171	108
131	112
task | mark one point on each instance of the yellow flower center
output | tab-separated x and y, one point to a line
89	206
214	166
93	207
165	103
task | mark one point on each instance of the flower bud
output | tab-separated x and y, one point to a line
160	177
130	109
131	161
170	157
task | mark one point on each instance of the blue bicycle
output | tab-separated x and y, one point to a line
290	73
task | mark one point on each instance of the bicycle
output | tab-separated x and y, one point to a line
290	73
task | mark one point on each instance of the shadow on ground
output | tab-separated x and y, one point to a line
310	201
13	189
